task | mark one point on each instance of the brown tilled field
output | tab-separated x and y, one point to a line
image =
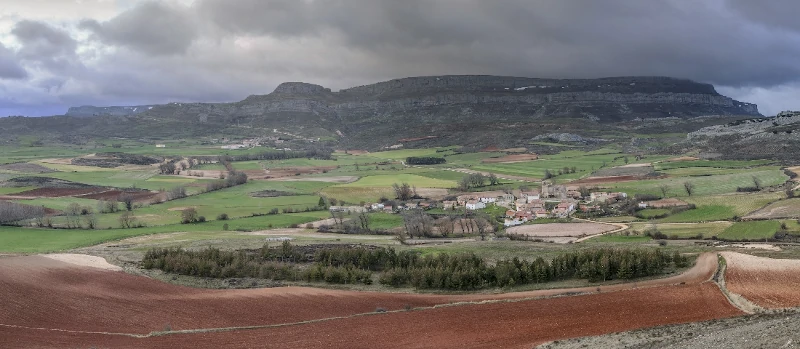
115	194
561	229
60	192
602	180
769	283
49	303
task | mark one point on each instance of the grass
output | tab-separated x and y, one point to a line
685	230
703	186
754	230
711	163
741	204
702	214
653	212
385	221
14	190
30	240
388	180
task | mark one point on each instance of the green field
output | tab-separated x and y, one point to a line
685	230
411	179
28	240
715	196
754	230
707	185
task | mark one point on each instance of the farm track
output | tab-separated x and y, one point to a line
51	303
620	227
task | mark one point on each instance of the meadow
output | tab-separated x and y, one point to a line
715	182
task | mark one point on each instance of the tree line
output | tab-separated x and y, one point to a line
463	271
12	212
425	160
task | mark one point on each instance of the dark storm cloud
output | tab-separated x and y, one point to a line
704	40
151	27
772	13
9	66
40	40
228	49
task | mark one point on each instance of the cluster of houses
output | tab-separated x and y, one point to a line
552	201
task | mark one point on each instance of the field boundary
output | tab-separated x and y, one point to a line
734	299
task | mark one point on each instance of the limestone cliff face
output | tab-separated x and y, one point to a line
455	109
608	99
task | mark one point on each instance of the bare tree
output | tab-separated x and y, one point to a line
689	187
90	220
403	192
493	180
584	191
445	226
483	225
338	218
127	220
664	189
364	221
127	199
417	223
188	215
757	182
12	212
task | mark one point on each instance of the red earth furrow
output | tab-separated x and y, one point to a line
767	282
40	292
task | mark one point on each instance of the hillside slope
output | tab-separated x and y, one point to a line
453	109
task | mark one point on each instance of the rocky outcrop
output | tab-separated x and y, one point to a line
773	137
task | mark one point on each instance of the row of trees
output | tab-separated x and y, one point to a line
321	154
466	271
477	180
11	212
566	170
425	160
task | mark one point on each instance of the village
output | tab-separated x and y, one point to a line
522	205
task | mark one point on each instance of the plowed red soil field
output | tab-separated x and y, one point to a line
47	303
58	192
115	195
769	283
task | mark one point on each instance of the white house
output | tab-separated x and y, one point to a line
475	205
533	196
377	206
161	145
642	204
487	200
512	222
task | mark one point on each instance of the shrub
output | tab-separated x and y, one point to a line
222	217
201	219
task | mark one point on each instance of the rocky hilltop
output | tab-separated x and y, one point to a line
436	110
775	137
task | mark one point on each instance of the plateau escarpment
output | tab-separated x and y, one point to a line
478	110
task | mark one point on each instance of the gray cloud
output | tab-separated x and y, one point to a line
9	66
153	28
217	50
44	46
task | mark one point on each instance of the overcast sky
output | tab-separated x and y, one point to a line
60	53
